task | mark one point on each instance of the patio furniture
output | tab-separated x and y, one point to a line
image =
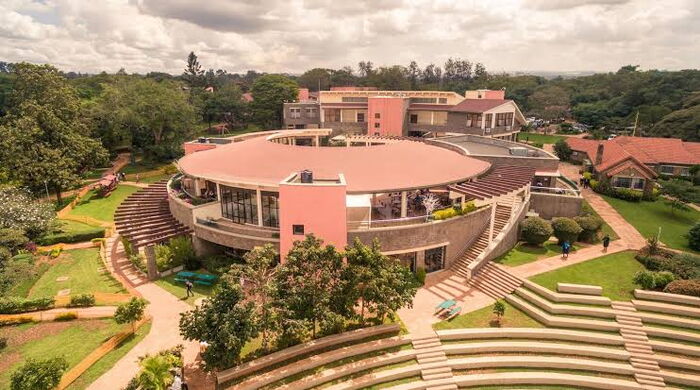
197	278
445	305
452	313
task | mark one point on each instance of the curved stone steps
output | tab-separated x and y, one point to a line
538	347
532	333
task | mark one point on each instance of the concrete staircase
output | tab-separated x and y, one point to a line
647	370
433	362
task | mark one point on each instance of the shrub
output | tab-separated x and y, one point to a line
594	185
591	226
128	249
694	237
16	321
38	374
183	252
445	213
14	305
566	229
535	230
139	262
55	252
644	279
684	287
683	266
662	279
164	257
67	316
70	237
332	323
627	194
420	275
468	207
587	175
217	264
169	169
82	300
562	150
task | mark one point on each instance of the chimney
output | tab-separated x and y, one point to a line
599	154
307	176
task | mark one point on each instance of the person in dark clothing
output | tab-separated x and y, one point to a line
189	286
565	249
606	243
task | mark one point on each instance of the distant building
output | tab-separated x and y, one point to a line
367	111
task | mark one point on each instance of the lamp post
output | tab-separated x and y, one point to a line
46	187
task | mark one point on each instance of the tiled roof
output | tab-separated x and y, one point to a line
478	105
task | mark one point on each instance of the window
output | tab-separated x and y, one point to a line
504	119
685	171
361	117
377	115
473	120
295	113
376	125
354	99
443	100
239	205
489	121
298	230
311	112
667	169
331	115
270	209
423	100
414	118
636	183
434	259
407	259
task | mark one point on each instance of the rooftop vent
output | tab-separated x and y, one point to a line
307	176
518	151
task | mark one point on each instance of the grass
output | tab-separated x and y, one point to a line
142	166
523	253
94	206
82	267
483	318
613	272
605	229
110	359
63	203
22	285
539	138
647	217
178	289
72	341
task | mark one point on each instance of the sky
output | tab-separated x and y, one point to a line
291	36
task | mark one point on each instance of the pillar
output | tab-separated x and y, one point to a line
258	195
151	266
404	204
420	259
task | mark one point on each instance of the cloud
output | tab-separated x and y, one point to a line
296	35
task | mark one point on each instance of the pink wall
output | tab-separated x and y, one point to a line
392	113
495	94
195	147
303	94
320	208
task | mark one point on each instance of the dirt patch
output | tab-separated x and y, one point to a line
8	360
92	325
18	336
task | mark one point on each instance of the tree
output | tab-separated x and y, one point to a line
535	230
39	374
380	284
315	78
566	229
414	73
257	274
343	77
366	69
391	78
225	321
550	101
430	202
130	312
193	71
224	104
310	284
22	212
499	309
155	373
562	150
679	193
269	93
694	237
43	139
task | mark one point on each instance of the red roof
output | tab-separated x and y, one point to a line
478	105
367	169
247	97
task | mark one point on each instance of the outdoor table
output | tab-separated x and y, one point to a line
447	304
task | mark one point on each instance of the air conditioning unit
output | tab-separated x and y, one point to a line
518	151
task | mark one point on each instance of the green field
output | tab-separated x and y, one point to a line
92	205
72	340
539	138
82	267
483	318
647	217
169	284
613	272
68	231
523	253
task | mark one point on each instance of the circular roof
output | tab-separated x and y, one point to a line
399	165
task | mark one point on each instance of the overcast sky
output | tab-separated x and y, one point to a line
296	35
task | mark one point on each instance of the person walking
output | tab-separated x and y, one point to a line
189	285
606	243
565	249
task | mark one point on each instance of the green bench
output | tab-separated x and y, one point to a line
196	278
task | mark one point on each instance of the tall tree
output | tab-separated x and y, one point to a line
194	74
269	93
366	68
414	73
43	138
390	78
315	78
224	104
343	77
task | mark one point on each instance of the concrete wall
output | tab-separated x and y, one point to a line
181	211
231	239
392	112
510	237
458	231
549	206
346	127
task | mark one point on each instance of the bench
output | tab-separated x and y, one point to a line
196	278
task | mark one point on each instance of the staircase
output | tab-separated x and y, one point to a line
646	368
491	279
433	362
144	217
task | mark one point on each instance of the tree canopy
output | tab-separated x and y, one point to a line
269	93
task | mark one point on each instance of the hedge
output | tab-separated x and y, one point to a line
591	225
694	237
71	237
536	230
82	300
682	265
566	229
15	305
684	287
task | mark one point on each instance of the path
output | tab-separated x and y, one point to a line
164	309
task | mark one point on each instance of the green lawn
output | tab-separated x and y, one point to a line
72	340
63	203
541	138
613	272
66	228
108	361
153	179
606	229
647	217
92	205
141	166
523	253
81	267
482	318
169	284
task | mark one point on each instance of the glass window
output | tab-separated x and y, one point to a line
407	259
435	259
311	112
376	125
270	209
295	113
685	171
423	100
414	118
354	99
473	120
331	115
504	119
623	182
239	205
298	230
377	115
361	117
638	183
667	169
443	100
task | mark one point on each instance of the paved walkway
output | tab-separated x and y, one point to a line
164	309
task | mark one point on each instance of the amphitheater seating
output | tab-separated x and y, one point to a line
666	308
531	333
666	297
564	297
579	289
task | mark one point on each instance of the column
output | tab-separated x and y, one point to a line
432	117
318	143
258	195
404	204
493	220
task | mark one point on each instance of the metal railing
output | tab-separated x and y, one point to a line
555	190
380	223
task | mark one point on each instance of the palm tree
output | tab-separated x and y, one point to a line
155	373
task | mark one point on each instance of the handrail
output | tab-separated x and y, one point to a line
555	190
367	224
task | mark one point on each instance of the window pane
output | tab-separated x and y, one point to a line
239	205
434	259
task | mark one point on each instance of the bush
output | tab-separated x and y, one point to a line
468	207
644	279
139	262
562	150
183	252
55	252
128	249
16	321
684	287
535	230
71	237
627	194
587	175
694	237
3	343
591	226
164	257
445	213
82	300
566	229
662	279
217	264
420	275
38	374
14	305
67	316
332	323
